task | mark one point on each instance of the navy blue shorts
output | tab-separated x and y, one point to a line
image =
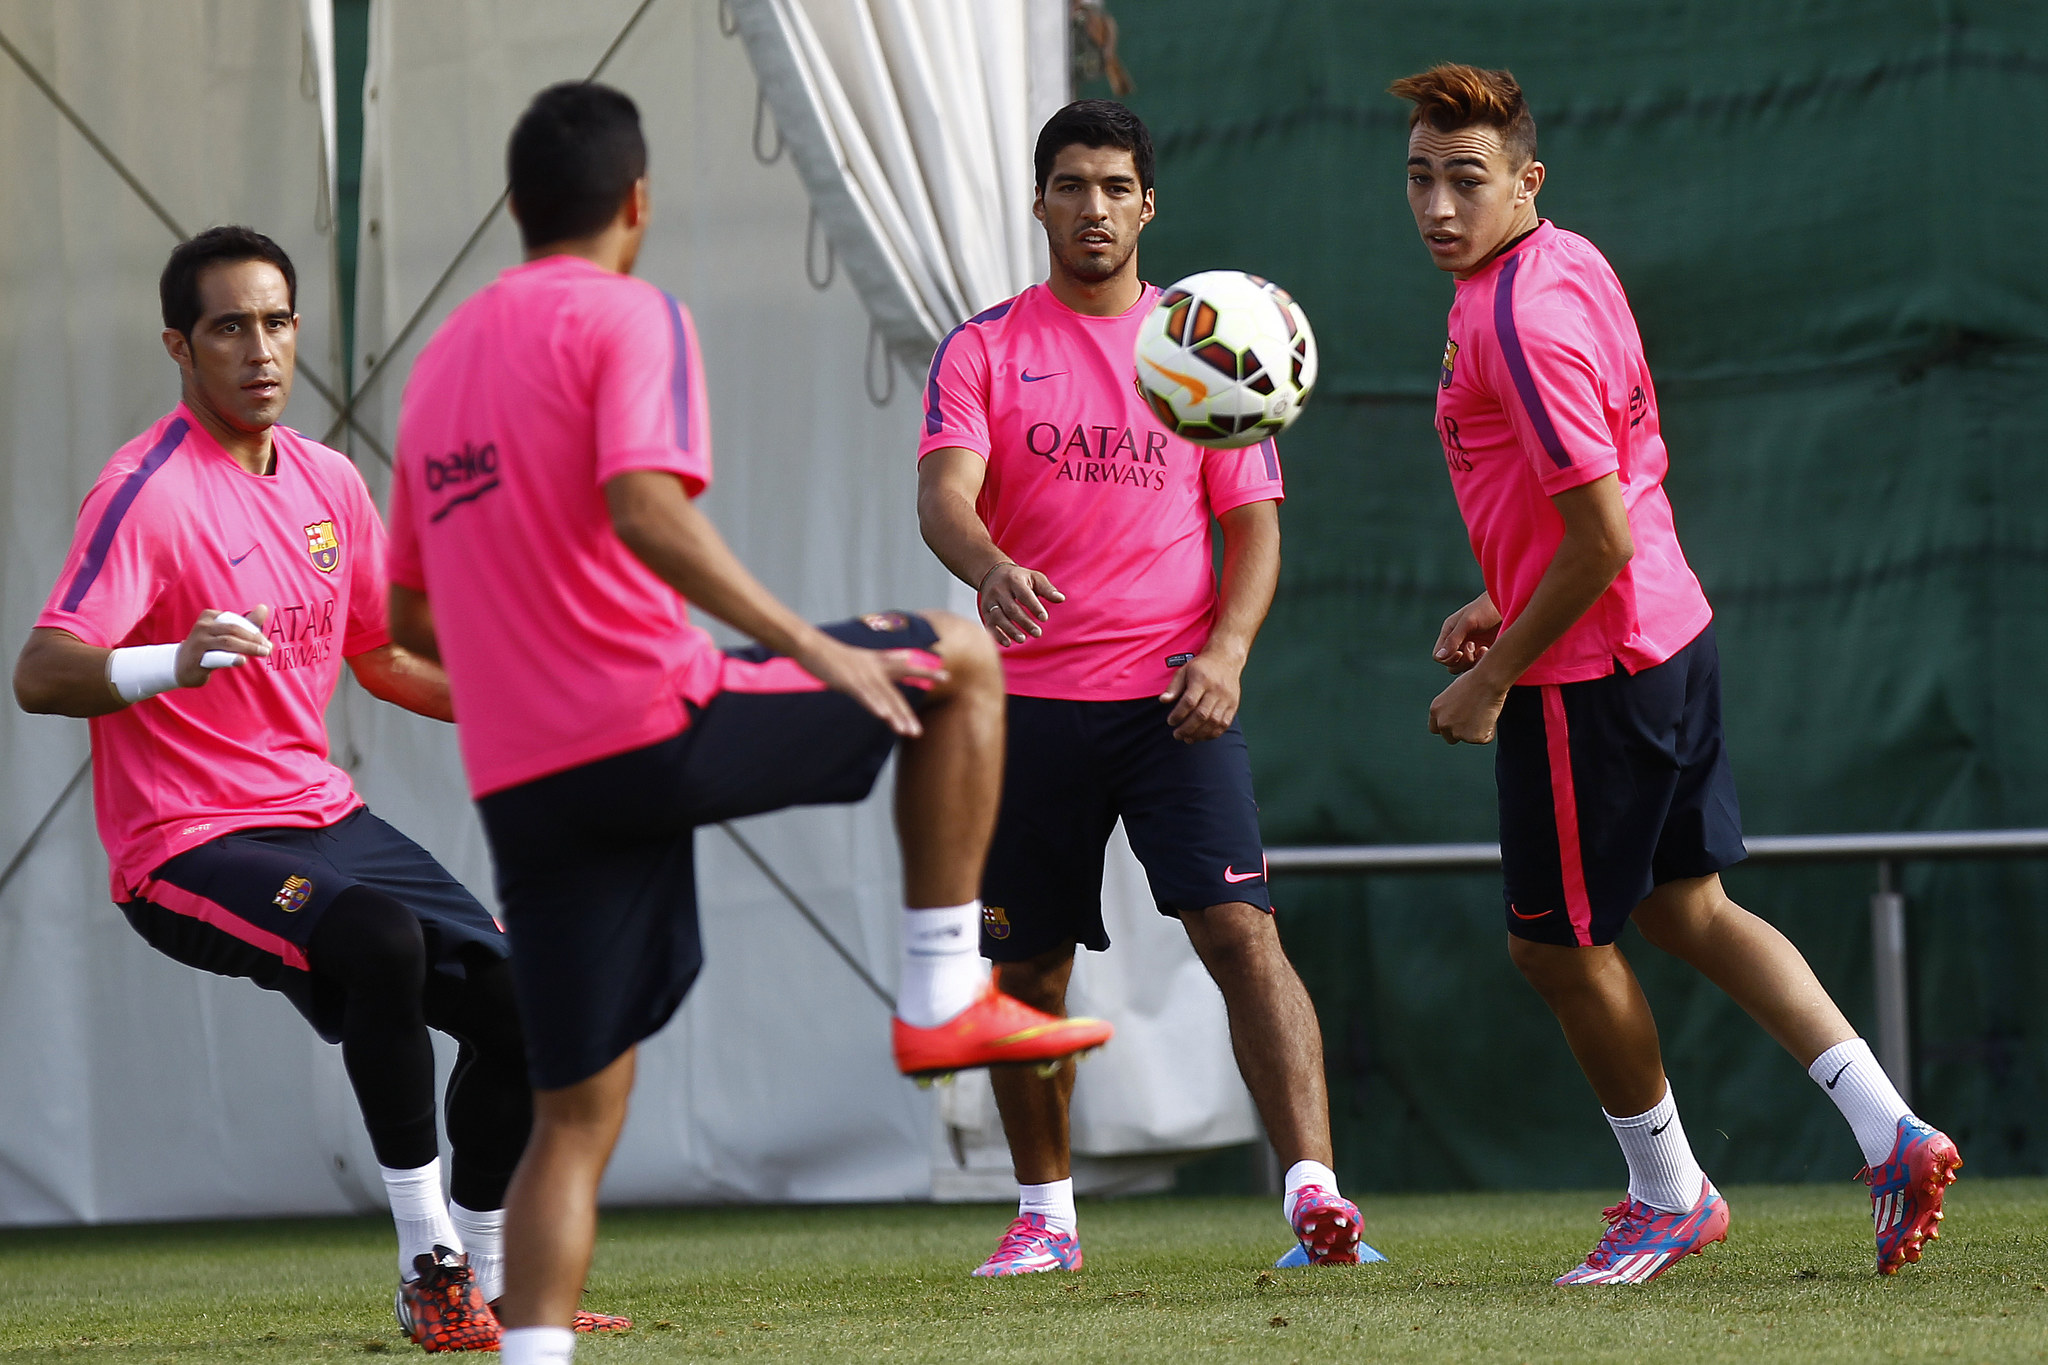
596	864
1075	768
1610	788
245	904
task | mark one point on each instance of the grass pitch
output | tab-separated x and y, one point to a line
1178	1280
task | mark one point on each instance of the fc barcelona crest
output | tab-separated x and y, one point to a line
323	547
995	922
1450	359
292	897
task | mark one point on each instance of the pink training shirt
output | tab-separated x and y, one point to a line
174	527
1544	388
1086	487
561	647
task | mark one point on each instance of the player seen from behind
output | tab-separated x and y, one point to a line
545	539
223	568
1591	657
1046	483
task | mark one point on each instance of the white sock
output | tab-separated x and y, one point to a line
1303	1173
942	967
1662	1171
421	1213
1864	1094
1054	1201
483	1236
536	1346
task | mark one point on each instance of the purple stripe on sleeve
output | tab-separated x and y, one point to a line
679	372
1518	363
934	417
117	508
1272	454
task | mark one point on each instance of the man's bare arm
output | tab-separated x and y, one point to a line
396	674
664	529
1207	690
412	622
1595	549
1010	597
59	674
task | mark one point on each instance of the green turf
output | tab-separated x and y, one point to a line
1167	1280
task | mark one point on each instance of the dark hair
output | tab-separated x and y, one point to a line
1094	123
1449	97
178	287
572	160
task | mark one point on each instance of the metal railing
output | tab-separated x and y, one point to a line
1887	903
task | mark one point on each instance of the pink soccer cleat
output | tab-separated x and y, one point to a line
1029	1247
1905	1192
1642	1243
1327	1225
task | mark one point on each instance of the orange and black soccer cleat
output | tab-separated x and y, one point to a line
587	1321
995	1030
443	1310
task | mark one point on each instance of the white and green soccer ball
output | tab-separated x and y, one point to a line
1226	359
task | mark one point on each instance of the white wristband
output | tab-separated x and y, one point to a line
139	671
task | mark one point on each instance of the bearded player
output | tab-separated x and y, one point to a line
1591	657
223	569
1045	483
562	410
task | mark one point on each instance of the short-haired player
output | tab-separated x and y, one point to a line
1590	658
223	569
1046	484
546	545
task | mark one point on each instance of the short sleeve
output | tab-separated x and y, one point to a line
402	552
368	588
119	564
1233	478
1556	394
956	395
648	389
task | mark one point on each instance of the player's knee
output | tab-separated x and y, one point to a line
372	944
1039	982
1546	966
1235	940
969	654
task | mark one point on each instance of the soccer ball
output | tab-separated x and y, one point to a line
1226	359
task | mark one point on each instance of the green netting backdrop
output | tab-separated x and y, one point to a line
1828	216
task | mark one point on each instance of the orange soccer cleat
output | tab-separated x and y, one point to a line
441	1309
995	1030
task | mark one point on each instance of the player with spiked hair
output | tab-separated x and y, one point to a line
1047	485
1591	658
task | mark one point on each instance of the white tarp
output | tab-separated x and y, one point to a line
131	1087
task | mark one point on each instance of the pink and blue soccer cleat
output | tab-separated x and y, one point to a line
1905	1192
1642	1243
1031	1246
1327	1229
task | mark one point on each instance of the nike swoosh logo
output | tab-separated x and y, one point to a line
1660	1128
1031	378
1197	390
1234	877
1838	1074
1519	915
242	556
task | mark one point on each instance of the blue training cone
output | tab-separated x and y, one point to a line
1297	1257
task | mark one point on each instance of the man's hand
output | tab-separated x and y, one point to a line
213	635
1012	602
869	676
1467	634
1467	711
1204	693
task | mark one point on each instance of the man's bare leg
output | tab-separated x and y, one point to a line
1757	966
551	1208
949	780
1034	1107
1599	1004
1273	1027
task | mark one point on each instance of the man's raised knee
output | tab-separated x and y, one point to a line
969	654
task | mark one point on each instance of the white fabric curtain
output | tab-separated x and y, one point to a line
131	1087
135	1088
